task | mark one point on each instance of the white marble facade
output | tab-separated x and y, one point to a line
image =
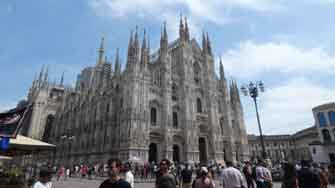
166	104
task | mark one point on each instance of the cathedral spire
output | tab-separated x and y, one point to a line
117	63
46	75
204	43
137	44
101	51
164	40
148	51
209	48
130	45
41	74
222	76
164	31
237	93
181	28
62	80
187	33
144	49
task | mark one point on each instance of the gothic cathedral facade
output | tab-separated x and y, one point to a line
167	104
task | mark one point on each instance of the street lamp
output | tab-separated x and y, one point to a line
253	89
68	138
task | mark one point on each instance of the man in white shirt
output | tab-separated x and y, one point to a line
232	178
263	175
44	180
129	175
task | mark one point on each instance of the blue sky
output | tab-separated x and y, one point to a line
289	45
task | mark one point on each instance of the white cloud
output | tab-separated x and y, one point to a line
7	106
250	59
287	108
215	11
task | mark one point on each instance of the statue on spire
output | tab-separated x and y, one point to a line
187	33
61	84
222	76
181	28
204	44
117	68
101	51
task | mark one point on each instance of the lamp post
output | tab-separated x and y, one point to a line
253	89
68	138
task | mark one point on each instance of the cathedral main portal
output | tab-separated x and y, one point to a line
202	150
153	152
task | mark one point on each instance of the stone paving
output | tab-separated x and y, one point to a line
84	183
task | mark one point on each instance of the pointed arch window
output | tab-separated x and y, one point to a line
322	119
196	72
175	119
174	92
153	116
199	106
221	125
331	116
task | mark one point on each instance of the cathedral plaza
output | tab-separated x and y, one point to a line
145	93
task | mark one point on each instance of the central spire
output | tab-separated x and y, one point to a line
164	40
181	28
101	51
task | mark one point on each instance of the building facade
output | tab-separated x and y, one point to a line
45	97
324	150
166	104
295	147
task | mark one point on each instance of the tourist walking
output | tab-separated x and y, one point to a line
44	180
263	175
247	171
203	181
290	179
231	177
306	177
67	173
186	177
164	178
114	180
129	174
323	177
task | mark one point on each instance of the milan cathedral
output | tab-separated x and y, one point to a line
167	104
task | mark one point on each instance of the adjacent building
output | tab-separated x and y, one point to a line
324	149
293	147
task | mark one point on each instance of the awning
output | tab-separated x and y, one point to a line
2	158
22	145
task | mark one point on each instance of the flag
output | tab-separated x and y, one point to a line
12	120
4	143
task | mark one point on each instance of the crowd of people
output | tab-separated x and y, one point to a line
167	174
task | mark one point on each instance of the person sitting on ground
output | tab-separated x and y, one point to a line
114	180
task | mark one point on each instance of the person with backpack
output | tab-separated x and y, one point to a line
186	177
203	181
